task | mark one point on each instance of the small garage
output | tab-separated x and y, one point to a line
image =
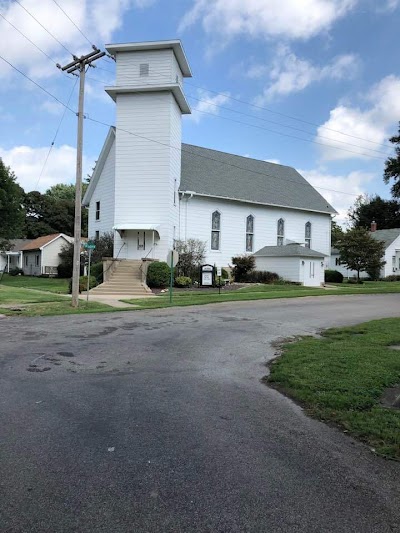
292	262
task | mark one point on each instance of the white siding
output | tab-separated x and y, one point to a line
287	267
146	166
50	254
30	267
195	222
392	251
104	193
162	67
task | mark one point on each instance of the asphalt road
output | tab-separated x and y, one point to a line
157	422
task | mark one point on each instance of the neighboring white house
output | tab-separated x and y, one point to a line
391	238
151	190
12	258
41	256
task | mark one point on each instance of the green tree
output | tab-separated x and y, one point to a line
386	213
11	211
392	167
336	233
192	254
361	252
65	191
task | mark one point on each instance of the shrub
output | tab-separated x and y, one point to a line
83	283
183	281
243	264
158	274
354	281
333	276
392	277
259	276
191	255
15	271
96	270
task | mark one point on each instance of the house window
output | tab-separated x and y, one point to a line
97	235
308	235
337	261
37	260
280	232
144	69
97	210
26	260
249	233
216	231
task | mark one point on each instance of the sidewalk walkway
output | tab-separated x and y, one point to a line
114	300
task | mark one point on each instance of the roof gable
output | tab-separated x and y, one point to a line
219	174
41	242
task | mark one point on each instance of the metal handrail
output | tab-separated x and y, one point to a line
111	264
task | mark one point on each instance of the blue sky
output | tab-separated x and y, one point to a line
323	71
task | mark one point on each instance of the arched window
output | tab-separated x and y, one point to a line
308	234
249	233
280	232
216	230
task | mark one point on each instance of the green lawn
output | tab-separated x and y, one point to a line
341	379
32	302
262	292
56	285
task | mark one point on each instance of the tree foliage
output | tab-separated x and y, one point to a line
392	167
11	211
336	233
386	213
242	266
104	247
191	255
361	252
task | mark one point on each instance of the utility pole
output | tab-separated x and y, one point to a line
79	64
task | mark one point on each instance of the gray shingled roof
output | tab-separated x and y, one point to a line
18	244
214	173
386	235
290	250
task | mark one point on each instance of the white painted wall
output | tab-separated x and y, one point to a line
147	171
286	267
50	256
195	222
104	193
162	67
392	258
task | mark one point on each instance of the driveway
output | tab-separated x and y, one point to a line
157	421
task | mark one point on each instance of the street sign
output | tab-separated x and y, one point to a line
174	257
89	245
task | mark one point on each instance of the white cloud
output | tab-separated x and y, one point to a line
376	122
27	163
207	104
388	6
290	19
291	74
353	183
97	20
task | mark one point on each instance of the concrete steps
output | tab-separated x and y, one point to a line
126	280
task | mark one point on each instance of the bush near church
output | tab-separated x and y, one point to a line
83	283
333	276
158	275
183	281
242	266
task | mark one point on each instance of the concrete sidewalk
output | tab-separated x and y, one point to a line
114	300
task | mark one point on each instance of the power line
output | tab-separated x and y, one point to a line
171	146
286	116
216	160
70	19
56	133
280	124
37	84
27	38
291	136
45	29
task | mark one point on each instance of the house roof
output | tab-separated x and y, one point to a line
40	242
18	244
386	235
290	250
211	173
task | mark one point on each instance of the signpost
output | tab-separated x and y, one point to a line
219	273
172	261
89	246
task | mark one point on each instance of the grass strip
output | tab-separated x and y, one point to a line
342	377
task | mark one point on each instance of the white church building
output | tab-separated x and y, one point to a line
150	189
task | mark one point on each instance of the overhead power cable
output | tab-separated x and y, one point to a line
171	146
56	133
45	29
70	19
